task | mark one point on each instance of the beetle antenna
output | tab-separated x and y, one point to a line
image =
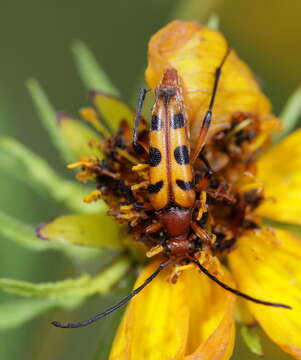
237	292
137	147
116	306
201	140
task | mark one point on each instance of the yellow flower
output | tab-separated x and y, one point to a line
183	314
196	52
193	319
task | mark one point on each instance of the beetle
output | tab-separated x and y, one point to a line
171	187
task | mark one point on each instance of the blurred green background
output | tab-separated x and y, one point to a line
35	40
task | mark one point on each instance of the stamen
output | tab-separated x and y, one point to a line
143	184
75	165
92	160
155	251
257	143
203	208
127	156
239	127
126	207
93	196
140	167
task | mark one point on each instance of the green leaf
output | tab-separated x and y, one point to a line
97	230
79	137
47	116
213	22
112	109
194	10
83	286
252	340
291	113
91	73
20	162
24	236
17	312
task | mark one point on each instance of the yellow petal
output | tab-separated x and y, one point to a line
98	230
219	345
280	171
79	137
155	325
211	325
112	109
191	319
196	51
266	265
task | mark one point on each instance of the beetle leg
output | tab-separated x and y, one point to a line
153	228
201	233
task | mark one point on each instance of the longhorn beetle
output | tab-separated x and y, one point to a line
171	190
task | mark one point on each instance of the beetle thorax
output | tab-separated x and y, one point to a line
176	221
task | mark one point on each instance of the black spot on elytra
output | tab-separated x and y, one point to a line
185	185
155	188
181	155
154	157
177	121
156	123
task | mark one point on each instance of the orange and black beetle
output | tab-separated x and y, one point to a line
172	187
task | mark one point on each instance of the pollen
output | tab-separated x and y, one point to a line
140	167
143	184
203	207
155	251
93	196
126	207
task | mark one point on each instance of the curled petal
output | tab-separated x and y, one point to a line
212	330
192	319
219	345
266	265
196	51
280	171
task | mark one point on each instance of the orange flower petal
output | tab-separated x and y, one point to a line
192	319
280	171
266	265
196	51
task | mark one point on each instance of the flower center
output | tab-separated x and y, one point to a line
227	192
